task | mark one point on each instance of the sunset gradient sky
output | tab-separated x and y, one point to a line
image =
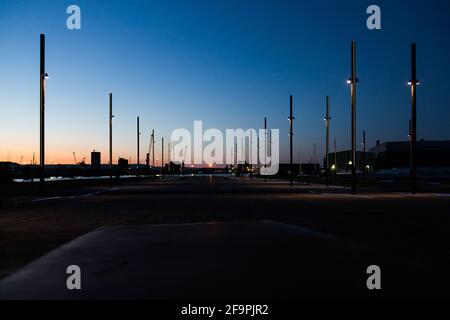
228	63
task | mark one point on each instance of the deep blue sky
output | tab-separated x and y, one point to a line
228	63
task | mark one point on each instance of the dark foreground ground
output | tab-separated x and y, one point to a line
338	236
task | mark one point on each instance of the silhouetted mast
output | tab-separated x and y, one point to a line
111	116
353	81
413	144
138	133
42	113
291	136
327	140
162	155
265	147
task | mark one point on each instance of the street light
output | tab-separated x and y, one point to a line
353	80
364	153
265	148
42	77
413	82
138	134
327	139
291	135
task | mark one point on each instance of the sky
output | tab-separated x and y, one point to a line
227	63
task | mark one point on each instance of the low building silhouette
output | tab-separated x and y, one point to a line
430	154
172	168
8	171
123	164
95	160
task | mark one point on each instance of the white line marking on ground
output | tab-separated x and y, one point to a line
323	186
45	199
79	196
347	195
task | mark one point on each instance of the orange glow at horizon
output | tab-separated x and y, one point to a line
23	157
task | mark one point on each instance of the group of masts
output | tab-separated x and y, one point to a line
353	80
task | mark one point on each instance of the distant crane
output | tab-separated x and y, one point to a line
81	163
21	160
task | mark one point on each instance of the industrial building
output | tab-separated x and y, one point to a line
172	168
95	160
123	164
8	171
430	154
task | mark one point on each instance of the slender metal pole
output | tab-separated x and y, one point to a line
138	160
413	144
257	152
250	158
335	157
409	133
153	148
169	171
243	153
162	156
291	135
42	114
353	94
111	116
364	154
152	142
235	157
314	160
335	153
299	162
265	146
327	140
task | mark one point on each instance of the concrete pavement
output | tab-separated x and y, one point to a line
223	260
323	233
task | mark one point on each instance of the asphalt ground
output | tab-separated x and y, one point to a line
406	235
